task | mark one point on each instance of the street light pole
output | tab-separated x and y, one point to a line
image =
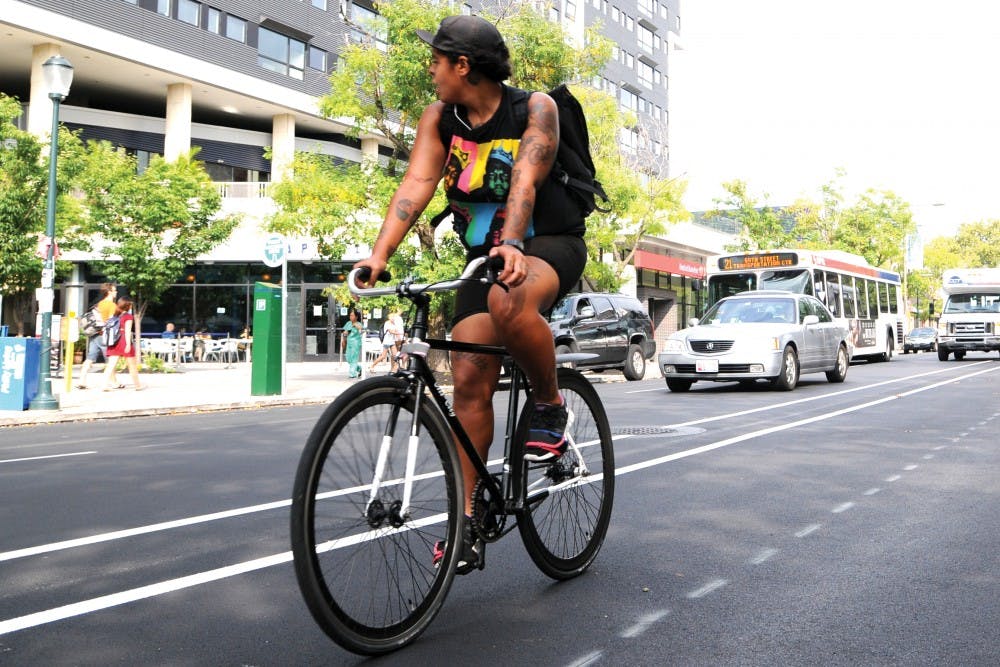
58	75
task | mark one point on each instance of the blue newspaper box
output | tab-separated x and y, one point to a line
19	365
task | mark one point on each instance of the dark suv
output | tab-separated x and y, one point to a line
615	327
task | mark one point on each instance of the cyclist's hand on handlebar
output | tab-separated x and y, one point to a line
515	266
371	271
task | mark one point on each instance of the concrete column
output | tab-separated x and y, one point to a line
369	150
39	104
283	147
177	141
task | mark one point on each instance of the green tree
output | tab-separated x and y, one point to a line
24	173
762	227
148	227
979	243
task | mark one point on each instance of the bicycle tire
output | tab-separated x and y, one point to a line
563	529
374	589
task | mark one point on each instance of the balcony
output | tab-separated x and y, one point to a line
243	189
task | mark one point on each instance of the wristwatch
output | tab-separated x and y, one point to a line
517	243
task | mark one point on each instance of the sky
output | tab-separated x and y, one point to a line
902	95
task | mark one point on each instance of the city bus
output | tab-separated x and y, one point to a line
866	299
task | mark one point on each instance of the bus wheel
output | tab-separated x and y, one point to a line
887	355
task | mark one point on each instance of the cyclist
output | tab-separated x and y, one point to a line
492	171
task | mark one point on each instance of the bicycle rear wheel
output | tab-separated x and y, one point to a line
569	510
367	573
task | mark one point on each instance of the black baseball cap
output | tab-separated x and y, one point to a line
464	35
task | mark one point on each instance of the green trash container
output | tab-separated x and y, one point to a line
20	360
265	372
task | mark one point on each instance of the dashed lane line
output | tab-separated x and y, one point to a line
707	589
809	530
50	456
643	624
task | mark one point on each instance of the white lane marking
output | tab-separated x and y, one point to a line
962	435
763	555
124	597
872	491
912	466
893	478
643	624
708	588
809	530
50	456
165	444
940	447
842	507
141	530
588	659
928	457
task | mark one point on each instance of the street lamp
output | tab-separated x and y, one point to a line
58	75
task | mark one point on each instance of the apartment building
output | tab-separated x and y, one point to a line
234	77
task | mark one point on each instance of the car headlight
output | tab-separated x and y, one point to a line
673	345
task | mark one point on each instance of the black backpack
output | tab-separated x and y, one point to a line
571	186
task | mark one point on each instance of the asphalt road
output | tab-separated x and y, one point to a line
836	524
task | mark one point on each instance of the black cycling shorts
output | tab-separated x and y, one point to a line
567	255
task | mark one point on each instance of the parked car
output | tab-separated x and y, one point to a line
921	338
770	335
615	328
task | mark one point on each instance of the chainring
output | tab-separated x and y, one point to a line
488	517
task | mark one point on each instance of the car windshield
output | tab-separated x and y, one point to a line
560	311
973	303
923	331
766	310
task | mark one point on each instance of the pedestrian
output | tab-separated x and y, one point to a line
351	343
392	337
168	331
124	346
96	350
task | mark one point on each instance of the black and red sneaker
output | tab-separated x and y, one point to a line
547	432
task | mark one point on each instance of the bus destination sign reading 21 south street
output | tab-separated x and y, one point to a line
768	260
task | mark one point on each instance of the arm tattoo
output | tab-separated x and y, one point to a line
404	209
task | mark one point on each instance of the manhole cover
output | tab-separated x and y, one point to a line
645	430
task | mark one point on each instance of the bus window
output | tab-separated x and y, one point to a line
820	284
883	297
833	294
893	299
793	281
728	284
872	298
850	296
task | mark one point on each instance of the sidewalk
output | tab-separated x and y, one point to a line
195	387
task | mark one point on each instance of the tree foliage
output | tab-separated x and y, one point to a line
24	169
147	228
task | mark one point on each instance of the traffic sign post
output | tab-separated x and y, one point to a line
275	255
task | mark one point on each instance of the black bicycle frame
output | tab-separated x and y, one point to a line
513	493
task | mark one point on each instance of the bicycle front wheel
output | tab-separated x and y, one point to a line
569	500
365	562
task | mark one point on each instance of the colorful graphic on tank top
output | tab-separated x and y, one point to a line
477	182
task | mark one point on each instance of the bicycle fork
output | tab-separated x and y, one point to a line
398	511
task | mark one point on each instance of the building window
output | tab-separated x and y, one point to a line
189	11
648	7
163	7
132	2
236	29
645	74
369	28
554	14
646	40
317	59
280	53
319	4
570	10
214	22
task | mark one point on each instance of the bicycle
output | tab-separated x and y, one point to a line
379	486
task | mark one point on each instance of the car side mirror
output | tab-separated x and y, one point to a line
810	319
586	313
693	322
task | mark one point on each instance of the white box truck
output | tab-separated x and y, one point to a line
970	319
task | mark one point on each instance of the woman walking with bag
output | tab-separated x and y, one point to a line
119	334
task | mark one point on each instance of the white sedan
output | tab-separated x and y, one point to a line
759	335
